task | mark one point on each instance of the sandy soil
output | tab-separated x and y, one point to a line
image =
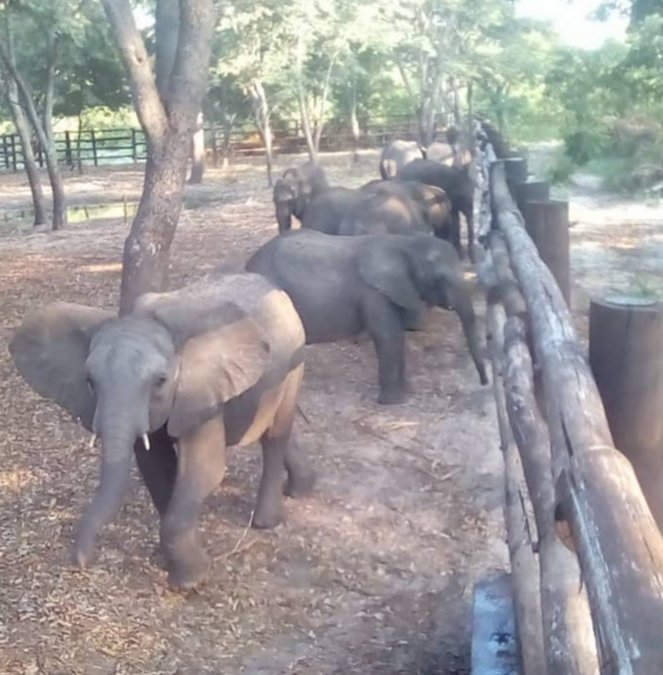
372	574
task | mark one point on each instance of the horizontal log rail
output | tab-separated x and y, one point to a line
582	490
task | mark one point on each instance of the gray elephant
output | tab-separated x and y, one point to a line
211	365
451	155
433	203
396	155
458	184
295	189
343	285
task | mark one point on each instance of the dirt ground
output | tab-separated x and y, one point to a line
372	574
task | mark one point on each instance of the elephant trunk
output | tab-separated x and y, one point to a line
284	216
465	311
118	435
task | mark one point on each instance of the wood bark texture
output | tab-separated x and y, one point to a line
619	546
625	340
168	120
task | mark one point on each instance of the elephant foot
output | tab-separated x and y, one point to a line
80	558
83	548
267	518
393	397
300	483
190	572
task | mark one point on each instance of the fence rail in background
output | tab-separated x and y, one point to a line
99	147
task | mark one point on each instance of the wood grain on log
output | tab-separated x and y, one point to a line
626	356
570	646
547	222
619	546
520	530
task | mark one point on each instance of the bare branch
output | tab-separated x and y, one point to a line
197	20
149	107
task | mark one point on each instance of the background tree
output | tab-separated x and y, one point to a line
167	114
56	22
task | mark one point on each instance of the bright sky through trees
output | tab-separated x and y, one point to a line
571	19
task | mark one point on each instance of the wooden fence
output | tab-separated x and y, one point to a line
126	146
586	553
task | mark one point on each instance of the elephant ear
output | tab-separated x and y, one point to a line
222	350
215	366
386	269
50	349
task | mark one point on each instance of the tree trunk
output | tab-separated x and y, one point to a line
262	116
29	162
323	104
50	90
354	123
168	124
167	27
147	248
198	152
27	102
303	110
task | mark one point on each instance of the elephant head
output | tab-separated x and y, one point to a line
294	190
174	360
417	270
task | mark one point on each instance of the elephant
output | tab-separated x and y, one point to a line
352	212
341	286
450	155
385	212
434	203
295	189
458	184
190	372
396	155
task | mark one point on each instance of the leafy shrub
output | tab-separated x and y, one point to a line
584	144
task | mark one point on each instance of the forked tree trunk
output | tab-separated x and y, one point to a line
198	152
147	248
29	162
27	102
167	106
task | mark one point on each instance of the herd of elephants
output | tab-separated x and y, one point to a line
220	362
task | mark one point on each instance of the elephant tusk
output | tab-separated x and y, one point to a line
146	441
93	440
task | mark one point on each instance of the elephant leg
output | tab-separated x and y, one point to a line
455	231
413	319
385	327
158	467
469	218
200	468
277	458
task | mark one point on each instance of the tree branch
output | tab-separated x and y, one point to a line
149	108
197	20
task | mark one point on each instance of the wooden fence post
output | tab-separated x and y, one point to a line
547	222
14	157
94	147
532	191
515	169
67	150
5	152
626	356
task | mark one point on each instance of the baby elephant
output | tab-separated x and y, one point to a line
343	285
190	372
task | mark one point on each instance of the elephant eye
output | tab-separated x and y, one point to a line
160	380
89	383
